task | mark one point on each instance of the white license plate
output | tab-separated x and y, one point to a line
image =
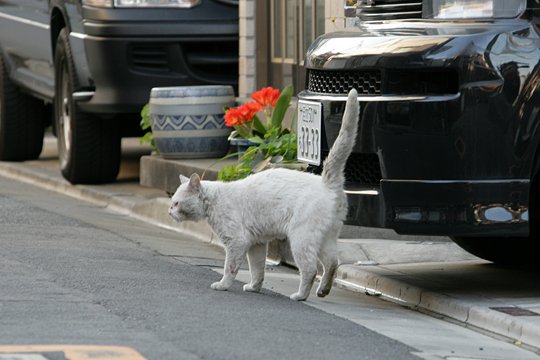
309	132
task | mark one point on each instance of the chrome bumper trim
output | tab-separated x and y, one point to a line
308	95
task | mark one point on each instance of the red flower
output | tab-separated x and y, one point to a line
249	110
266	96
232	117
242	114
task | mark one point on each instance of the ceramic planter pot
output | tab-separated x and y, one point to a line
241	145
187	121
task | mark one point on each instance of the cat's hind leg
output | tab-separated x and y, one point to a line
257	260
329	260
303	248
234	256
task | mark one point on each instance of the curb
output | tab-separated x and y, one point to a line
355	278
370	283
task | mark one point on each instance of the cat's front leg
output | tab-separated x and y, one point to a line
234	256
220	285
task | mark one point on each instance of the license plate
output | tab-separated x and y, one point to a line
309	132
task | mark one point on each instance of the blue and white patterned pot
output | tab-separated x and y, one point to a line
187	121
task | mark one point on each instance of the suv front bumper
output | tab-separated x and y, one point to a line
446	113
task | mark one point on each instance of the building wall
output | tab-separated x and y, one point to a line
334	20
334	15
247	48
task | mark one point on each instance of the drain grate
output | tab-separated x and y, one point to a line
515	311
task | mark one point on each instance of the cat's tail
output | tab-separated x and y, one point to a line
333	173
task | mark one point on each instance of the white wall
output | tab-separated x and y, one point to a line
247	49
334	20
334	15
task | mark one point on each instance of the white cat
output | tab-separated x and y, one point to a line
304	208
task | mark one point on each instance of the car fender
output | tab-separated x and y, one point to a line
69	16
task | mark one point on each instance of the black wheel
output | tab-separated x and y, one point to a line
88	146
514	251
22	121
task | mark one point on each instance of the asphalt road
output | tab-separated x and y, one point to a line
77	273
73	273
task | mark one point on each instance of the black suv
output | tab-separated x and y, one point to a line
95	62
449	138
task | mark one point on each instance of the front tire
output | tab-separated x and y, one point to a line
88	147
22	121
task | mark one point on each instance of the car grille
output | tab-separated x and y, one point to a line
436	81
212	61
363	169
153	57
390	10
366	82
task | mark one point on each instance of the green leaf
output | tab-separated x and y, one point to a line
259	156
282	105
243	132
145	117
146	138
258	126
146	124
256	140
261	165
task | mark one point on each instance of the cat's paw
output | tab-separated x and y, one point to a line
250	288
298	297
218	286
323	292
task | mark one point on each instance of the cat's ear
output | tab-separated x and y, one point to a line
183	179
194	183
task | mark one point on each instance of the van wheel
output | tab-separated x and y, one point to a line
88	146
22	121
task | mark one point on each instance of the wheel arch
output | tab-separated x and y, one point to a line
5	59
534	187
534	190
535	166
58	22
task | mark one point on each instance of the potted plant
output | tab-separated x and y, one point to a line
249	130
261	143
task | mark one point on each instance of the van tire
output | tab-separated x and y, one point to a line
89	147
22	121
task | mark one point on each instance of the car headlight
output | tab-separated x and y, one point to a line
473	9
142	3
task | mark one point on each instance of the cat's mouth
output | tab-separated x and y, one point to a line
175	215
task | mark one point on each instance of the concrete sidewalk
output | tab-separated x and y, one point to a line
429	274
